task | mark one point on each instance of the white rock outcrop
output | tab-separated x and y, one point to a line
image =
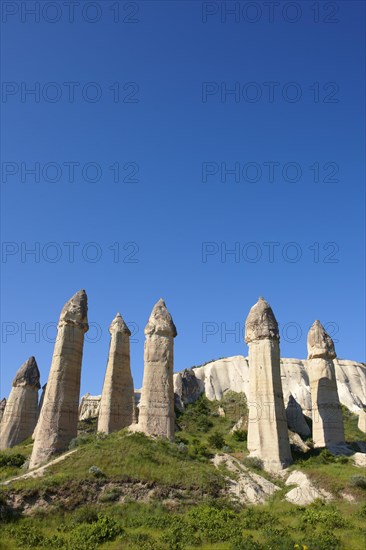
156	409
21	410
267	425
57	424
326	409
305	492
246	486
118	401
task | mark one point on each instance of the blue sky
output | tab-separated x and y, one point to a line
166	98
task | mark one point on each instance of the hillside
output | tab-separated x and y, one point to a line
128	491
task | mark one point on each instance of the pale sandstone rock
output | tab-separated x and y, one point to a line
2	407
326	410
118	400
359	459
21	411
156	409
246	486
362	421
305	492
231	373
57	424
267	425
89	406
297	442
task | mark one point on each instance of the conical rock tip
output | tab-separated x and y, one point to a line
261	322
75	311
118	325
28	374
319	343
160	321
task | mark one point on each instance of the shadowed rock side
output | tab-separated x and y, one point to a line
118	399
21	410
267	426
2	408
57	424
156	416
326	410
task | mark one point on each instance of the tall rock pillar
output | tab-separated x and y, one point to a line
57	424
118	399
21	410
326	409
267	426
156	411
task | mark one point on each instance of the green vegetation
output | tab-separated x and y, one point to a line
133	492
214	524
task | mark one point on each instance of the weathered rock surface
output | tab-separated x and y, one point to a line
362	421
21	410
2	408
57	424
359	459
267	424
305	492
326	409
89	406
231	373
118	400
247	487
295	418
156	410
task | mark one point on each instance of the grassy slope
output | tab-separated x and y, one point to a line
193	514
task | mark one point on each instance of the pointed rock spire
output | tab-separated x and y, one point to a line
320	344
267	425
21	410
28	374
2	407
57	424
156	410
261	322
117	404
118	325
75	311
328	429
160	321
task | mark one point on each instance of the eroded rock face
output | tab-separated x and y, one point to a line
267	426
57	424
2	408
305	492
118	400
326	410
156	410
362	421
21	410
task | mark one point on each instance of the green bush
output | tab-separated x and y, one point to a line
253	462
358	481
323	515
16	460
240	435
216	439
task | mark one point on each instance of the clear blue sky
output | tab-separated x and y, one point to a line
175	128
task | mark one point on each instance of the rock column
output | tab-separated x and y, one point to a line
118	400
267	427
57	424
156	410
21	410
326	409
